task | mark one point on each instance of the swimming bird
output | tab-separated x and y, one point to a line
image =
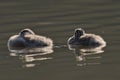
28	39
81	38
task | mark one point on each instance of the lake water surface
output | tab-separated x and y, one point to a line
57	19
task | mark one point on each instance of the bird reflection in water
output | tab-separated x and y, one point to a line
87	55
30	57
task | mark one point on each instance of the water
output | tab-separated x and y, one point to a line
57	19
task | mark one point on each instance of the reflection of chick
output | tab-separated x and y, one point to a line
83	39
27	38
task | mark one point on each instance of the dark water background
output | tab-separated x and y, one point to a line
57	19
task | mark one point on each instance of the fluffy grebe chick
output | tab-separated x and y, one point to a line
83	39
27	38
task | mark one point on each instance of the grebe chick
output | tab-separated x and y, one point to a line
28	39
81	38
